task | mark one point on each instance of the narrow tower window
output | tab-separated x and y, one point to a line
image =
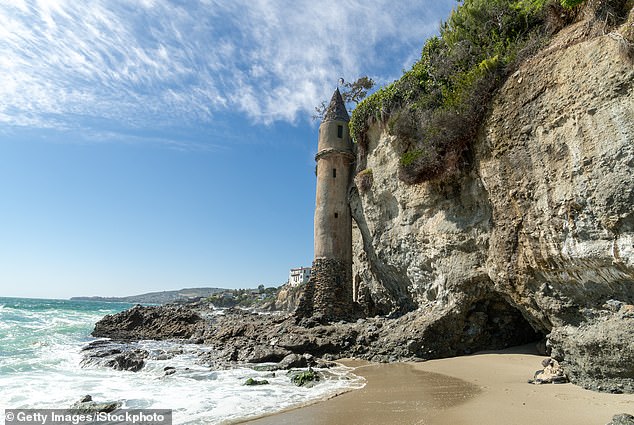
336	215
340	131
334	173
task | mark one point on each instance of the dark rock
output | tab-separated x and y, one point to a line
293	361
325	365
622	419
289	362
310	360
164	354
117	355
87	405
542	348
132	361
154	322
252	382
266	354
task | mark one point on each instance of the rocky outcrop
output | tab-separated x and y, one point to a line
599	354
287	298
153	322
247	338
540	219
116	355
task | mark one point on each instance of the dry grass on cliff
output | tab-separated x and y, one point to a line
364	180
625	36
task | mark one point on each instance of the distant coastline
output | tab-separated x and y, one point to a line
163	297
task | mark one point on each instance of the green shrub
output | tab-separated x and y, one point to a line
408	158
305	378
436	108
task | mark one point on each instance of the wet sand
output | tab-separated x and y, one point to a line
485	388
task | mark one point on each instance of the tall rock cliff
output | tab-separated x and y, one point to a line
535	233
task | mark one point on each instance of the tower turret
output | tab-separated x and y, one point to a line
333	222
329	291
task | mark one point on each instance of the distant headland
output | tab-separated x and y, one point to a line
163	297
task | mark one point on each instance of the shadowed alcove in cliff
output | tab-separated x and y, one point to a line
488	323
493	323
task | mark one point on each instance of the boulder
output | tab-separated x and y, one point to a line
293	361
254	382
552	373
114	354
87	405
307	378
132	361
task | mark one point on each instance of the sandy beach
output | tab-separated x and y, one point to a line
485	388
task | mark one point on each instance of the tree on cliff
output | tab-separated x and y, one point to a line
353	92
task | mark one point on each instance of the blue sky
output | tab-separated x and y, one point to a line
152	145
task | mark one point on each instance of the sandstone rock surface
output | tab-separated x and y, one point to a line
540	220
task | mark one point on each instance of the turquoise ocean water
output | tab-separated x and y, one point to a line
40	356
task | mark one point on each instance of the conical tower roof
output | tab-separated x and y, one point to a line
336	111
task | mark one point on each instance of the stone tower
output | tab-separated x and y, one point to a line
328	293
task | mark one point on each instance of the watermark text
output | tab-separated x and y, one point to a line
77	417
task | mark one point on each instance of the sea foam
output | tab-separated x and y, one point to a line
40	358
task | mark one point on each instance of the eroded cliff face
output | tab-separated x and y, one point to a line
540	221
557	160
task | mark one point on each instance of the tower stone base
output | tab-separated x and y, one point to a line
328	293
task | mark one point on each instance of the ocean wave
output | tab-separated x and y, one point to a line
41	352
195	393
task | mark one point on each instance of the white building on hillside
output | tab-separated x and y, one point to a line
298	276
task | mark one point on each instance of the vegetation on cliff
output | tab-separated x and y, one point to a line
436	108
364	180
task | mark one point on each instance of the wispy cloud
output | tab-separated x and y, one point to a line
156	62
